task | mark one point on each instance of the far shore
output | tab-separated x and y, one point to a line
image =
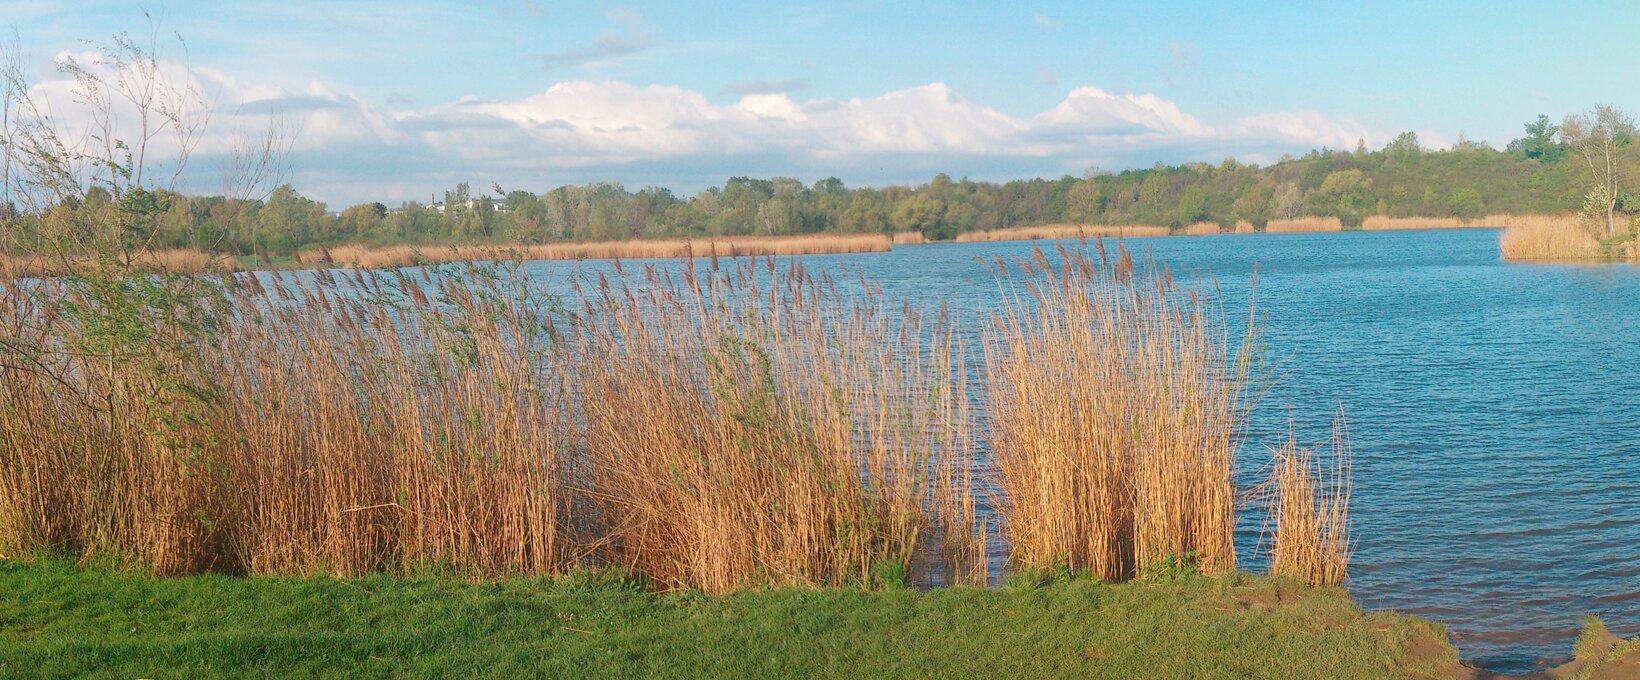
1543	238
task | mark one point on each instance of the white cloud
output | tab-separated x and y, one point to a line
1093	112
351	149
1306	127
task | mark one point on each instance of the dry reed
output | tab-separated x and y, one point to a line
718	431
1303	225
175	260
749	426
905	238
722	246
1244	227
322	430
1065	231
1311	511
1115	417
1557	237
1203	229
1387	223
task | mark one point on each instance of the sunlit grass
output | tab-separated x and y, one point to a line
79	622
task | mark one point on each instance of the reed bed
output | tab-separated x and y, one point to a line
1387	223
1203	229
1551	238
1244	227
749	426
717	431
909	238
1310	511
1303	225
1116	415
719	427
721	246
1065	231
178	260
316	429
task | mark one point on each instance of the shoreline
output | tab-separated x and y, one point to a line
358	256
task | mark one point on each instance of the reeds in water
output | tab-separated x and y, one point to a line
1203	229
1310	511
1065	231
1116	412
717	430
750	426
1385	222
1303	225
705	247
1554	237
280	427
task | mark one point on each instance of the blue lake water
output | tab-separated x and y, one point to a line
1494	410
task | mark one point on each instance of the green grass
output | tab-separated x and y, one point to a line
58	620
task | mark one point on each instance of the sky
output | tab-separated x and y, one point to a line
395	101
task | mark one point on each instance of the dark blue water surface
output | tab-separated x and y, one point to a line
1494	410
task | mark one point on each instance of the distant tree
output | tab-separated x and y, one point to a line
1083	202
919	213
1404	146
1539	142
362	219
1604	139
1288	202
1345	194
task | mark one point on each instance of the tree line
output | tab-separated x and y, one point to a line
1543	171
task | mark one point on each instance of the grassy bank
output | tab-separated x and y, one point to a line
63	621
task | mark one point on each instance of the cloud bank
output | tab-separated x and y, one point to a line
352	150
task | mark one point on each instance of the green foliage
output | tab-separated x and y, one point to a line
66	621
1171	569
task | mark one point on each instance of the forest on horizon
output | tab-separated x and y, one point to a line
1531	174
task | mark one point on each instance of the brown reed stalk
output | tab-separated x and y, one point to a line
1115	416
1553	237
749	425
1066	231
1303	225
731	246
1311	511
319	427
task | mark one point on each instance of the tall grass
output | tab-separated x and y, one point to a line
1065	231
1303	225
1203	229
725	429
1310	511
909	238
313	429
749	426
1385	222
1116	413
1557	237
176	260
712	426
706	247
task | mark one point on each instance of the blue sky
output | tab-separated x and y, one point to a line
398	101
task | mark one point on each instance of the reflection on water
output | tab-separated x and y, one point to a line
1493	410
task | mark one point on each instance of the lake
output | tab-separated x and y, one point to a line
1492	407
